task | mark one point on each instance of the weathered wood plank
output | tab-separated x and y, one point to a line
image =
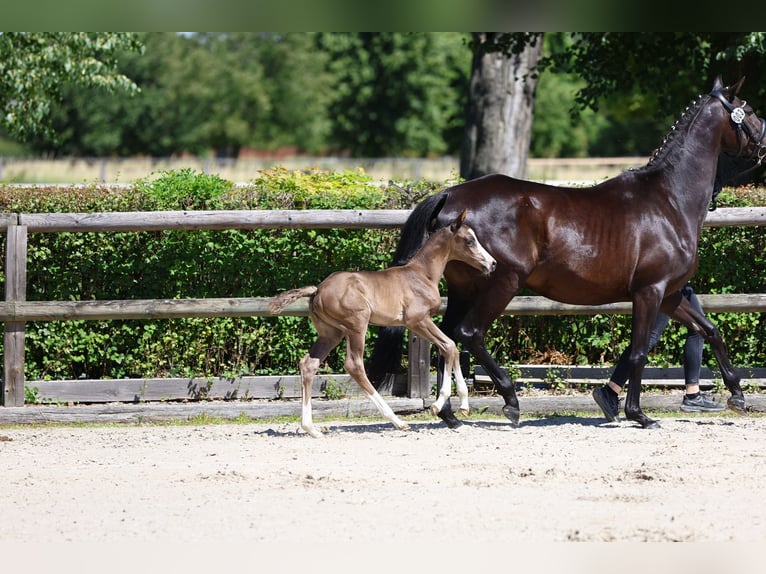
14	332
214	220
165	389
150	412
8	219
259	306
279	219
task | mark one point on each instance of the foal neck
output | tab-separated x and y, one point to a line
434	254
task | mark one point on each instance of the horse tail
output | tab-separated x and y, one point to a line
286	297
387	352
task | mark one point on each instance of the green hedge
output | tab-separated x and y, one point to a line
260	263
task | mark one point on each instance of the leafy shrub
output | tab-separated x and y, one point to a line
260	263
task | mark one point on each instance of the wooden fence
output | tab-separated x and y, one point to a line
15	311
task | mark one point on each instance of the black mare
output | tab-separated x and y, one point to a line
633	237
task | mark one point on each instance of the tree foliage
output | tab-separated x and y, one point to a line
35	65
362	94
397	94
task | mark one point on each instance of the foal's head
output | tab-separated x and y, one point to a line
464	246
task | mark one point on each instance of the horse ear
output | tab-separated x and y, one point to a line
455	225
717	84
433	221
734	90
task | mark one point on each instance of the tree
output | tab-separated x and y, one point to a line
397	94
34	66
500	108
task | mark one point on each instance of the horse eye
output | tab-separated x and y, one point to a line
469	242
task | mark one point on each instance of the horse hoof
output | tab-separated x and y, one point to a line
737	404
512	414
650	424
453	423
314	433
404	426
462	412
434	409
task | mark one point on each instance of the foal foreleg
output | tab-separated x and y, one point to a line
355	367
449	365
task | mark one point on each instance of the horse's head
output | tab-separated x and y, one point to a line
746	136
465	246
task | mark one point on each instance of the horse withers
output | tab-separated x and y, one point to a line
344	304
633	237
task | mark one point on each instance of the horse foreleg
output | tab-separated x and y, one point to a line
445	413
645	308
355	366
467	318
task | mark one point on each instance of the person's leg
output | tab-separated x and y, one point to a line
694	400
607	397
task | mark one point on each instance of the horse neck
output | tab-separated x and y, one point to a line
690	167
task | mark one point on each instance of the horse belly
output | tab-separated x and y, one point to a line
568	286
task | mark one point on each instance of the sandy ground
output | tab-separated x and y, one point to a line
697	479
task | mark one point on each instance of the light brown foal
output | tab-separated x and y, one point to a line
346	303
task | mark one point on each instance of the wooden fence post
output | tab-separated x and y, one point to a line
15	290
419	371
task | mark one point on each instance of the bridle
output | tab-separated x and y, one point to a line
737	115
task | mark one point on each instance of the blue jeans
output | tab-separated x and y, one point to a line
692	346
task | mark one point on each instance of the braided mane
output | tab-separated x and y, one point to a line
681	125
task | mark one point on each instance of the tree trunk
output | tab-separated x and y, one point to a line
500	110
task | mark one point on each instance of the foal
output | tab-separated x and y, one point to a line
345	303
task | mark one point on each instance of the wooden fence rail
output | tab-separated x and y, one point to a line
15	311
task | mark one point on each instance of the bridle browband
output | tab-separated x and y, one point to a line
737	115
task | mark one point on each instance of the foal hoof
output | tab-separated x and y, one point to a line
737	404
512	414
434	409
462	412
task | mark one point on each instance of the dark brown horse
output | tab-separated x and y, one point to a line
632	238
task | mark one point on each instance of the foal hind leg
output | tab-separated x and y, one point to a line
355	366
308	366
693	318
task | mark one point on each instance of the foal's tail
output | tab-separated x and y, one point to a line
387	353
286	297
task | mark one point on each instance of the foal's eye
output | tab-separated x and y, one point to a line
469	242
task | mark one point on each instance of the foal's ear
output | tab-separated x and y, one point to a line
455	225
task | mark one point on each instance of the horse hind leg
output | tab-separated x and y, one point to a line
355	366
691	315
308	367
